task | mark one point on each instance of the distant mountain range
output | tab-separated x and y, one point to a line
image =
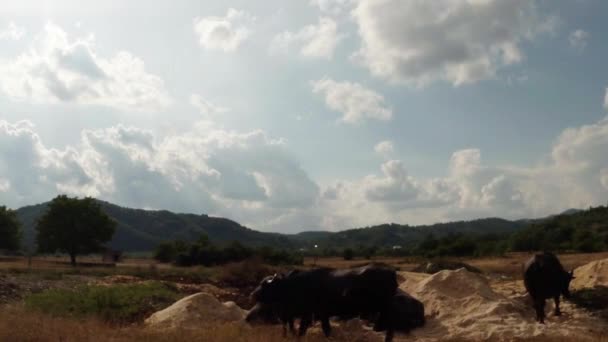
142	230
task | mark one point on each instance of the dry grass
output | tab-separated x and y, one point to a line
18	325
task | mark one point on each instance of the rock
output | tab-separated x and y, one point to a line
194	311
440	265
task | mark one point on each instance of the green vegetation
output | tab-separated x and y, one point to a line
10	230
203	252
73	226
458	244
118	304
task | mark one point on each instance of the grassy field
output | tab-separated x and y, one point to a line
34	293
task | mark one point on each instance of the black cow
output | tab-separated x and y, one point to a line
545	278
322	293
405	313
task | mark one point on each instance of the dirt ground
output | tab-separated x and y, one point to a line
495	309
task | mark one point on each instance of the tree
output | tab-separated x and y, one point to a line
165	252
10	230
74	226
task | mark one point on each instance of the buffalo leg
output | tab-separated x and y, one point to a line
304	324
291	327
539	306
326	326
389	335
557	311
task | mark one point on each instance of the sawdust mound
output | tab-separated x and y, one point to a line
592	274
461	305
194	311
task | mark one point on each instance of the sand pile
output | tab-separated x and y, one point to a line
461	305
592	274
194	311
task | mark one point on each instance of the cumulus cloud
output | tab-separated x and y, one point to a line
247	176
12	32
356	102
578	39
206	107
315	41
395	185
384	148
57	69
225	33
30	170
459	41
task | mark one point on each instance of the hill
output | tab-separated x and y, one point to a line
572	230
142	230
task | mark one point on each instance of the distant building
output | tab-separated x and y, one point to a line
395	247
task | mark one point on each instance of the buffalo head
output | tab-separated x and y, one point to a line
269	289
566	279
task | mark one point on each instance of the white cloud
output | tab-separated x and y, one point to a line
384	148
354	101
578	39
224	33
318	41
333	6
459	41
245	176
251	178
206	107
12	32
56	69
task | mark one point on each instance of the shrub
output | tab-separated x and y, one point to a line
118	304
348	254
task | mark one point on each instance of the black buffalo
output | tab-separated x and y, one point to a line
405	313
322	293
545	278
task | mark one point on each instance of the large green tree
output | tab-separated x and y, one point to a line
74	226
10	230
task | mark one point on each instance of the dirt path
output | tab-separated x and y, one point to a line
464	306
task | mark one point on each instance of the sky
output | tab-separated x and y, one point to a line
306	115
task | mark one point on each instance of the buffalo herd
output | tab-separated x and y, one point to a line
371	293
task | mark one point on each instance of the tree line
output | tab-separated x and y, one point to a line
204	252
